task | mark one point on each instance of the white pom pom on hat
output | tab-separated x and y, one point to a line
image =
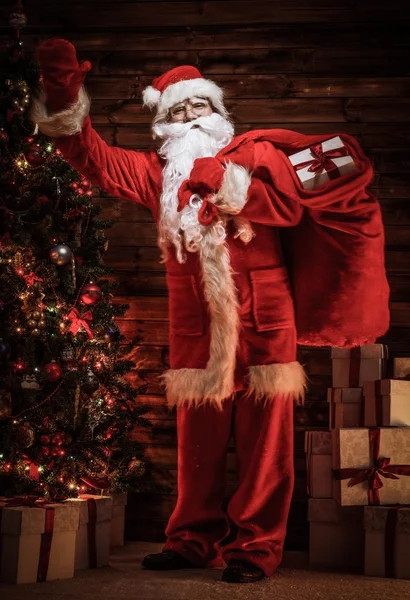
151	96
178	84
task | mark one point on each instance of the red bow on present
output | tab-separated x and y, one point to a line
322	160
31	278
31	501
98	483
78	321
208	210
381	467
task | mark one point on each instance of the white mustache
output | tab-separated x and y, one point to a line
207	124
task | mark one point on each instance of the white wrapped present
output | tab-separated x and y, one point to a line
322	162
119	502
37	544
92	548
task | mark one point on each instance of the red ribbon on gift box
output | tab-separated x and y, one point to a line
46	537
332	410
381	468
378	399
323	160
78	321
354	367
92	532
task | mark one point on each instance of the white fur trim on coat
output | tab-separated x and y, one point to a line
284	379
233	193
180	91
215	383
66	122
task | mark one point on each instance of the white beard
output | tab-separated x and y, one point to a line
182	144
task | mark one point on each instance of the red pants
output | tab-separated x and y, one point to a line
263	435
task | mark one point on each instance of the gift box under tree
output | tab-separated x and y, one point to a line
346	407
336	536
37	541
352	366
399	367
371	466
387	541
119	502
318	448
92	547
387	403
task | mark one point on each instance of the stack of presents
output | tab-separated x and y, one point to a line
359	472
42	541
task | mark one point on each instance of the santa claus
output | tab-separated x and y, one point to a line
255	264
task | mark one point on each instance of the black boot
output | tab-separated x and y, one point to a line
166	561
240	571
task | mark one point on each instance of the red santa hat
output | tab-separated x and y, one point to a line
181	83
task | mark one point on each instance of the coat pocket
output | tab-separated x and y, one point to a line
186	312
272	303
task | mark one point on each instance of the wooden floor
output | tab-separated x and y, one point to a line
125	579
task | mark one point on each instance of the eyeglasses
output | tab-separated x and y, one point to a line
196	106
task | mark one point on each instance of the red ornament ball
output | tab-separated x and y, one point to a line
45	450
58	438
90	294
53	371
45	440
35	155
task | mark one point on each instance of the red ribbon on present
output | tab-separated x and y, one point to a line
323	160
92	532
46	536
355	358
332	409
381	468
78	321
378	403
98	483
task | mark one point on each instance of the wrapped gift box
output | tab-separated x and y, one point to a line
371	466
387	541
352	366
336	536
400	368
37	544
318	448
345	407
92	547
387	403
314	169
119	502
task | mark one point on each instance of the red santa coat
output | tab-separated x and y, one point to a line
313	273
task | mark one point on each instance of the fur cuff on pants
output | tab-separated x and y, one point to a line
190	387
66	122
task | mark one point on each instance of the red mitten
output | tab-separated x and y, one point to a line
206	173
62	75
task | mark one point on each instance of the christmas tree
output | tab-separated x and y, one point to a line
66	407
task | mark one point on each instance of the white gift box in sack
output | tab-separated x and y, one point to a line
322	162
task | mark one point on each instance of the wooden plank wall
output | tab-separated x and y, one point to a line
309	65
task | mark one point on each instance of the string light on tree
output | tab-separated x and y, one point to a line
56	409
